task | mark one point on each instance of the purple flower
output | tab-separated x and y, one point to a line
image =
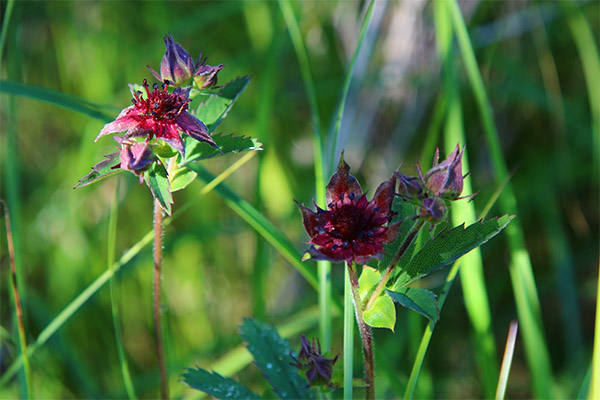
318	368
352	229
445	179
162	115
178	67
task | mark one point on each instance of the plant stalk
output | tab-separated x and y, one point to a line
365	334
158	338
18	307
388	273
348	337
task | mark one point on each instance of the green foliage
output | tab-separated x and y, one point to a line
450	244
271	354
216	385
215	108
420	300
103	169
158	182
229	144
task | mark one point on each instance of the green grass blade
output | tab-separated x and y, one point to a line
5	25
594	392
58	99
323	267
347	80
523	281
112	241
471	271
97	284
507	360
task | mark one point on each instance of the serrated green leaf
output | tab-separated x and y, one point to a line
404	211
420	300
229	144
215	108
101	170
157	181
382	314
216	385
181	178
367	282
449	245
272	355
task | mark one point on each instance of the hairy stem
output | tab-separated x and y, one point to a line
348	337
160	354
388	273
365	334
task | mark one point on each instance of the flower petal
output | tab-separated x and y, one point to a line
342	182
125	121
312	221
195	128
385	195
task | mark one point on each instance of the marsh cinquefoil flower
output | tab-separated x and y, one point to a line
351	229
177	66
318	368
162	115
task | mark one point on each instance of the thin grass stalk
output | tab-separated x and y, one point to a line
5	25
594	392
523	281
112	240
347	80
365	334
17	300
507	360
348	336
97	284
471	272
323	267
157	312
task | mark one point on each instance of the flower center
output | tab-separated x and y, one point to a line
159	104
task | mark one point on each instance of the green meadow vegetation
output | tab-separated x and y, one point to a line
386	83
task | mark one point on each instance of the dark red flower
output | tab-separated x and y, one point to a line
318	367
352	228
162	115
178	67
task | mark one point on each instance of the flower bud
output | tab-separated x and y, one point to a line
205	76
409	187
136	157
176	66
433	210
445	180
318	368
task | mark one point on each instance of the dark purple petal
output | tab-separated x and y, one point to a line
195	129
342	183
385	195
312	221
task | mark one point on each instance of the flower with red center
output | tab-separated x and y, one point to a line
351	229
319	368
162	115
178	67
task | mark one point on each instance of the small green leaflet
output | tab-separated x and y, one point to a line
157	181
420	300
216	385
215	108
180	178
451	244
101	170
382	314
272	355
229	144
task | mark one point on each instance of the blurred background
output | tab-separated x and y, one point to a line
536	59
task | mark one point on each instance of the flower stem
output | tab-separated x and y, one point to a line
365	334
348	336
18	307
160	354
388	273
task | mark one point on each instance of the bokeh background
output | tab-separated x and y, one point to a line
217	269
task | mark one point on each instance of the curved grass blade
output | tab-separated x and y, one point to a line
57	98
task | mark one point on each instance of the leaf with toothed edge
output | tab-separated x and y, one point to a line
101	170
215	108
272	355
450	244
229	144
216	385
420	300
158	182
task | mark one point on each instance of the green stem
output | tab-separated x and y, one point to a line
348	336
388	273
365	335
160	354
17	298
